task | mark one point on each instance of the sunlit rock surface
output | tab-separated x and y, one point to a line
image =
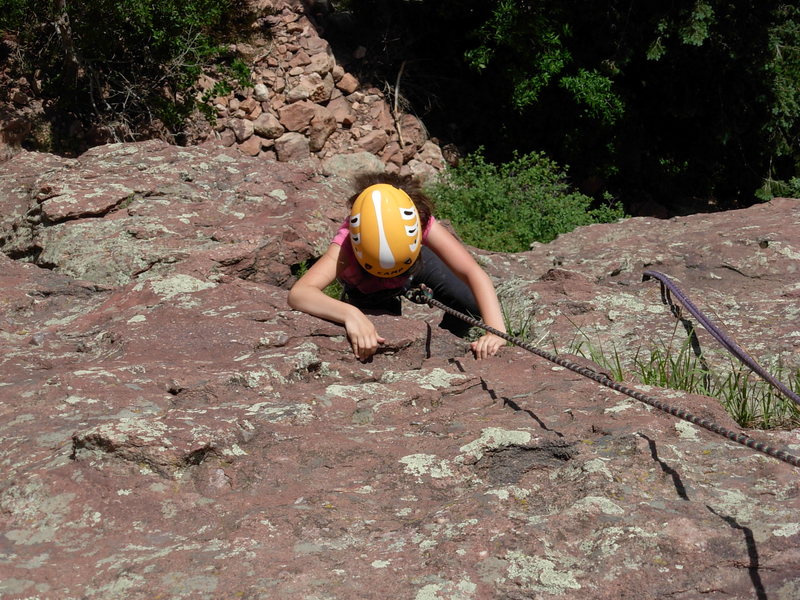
170	429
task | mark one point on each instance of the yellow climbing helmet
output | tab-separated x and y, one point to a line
385	230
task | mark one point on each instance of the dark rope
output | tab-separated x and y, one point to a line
424	295
668	286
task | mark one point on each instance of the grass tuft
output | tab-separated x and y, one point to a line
679	365
751	401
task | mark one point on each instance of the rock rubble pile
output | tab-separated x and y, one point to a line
304	105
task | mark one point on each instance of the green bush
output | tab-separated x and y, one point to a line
128	64
675	102
506	207
774	189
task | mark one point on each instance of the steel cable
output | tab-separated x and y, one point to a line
424	295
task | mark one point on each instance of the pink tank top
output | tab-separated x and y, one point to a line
353	275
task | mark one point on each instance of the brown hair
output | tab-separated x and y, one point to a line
408	184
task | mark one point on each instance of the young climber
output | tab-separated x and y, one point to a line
388	244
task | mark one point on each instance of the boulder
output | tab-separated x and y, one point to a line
323	124
374	142
346	166
312	87
297	117
342	112
267	125
348	83
242	128
292	147
252	146
321	63
261	92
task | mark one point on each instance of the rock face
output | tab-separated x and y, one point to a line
171	429
741	267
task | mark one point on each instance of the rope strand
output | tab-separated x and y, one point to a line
729	344
424	295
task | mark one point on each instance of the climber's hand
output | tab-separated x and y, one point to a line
487	345
362	334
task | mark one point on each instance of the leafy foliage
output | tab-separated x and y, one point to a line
775	189
506	207
125	63
661	101
782	72
594	90
680	92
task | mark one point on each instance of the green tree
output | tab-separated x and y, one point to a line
697	98
663	100
129	64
